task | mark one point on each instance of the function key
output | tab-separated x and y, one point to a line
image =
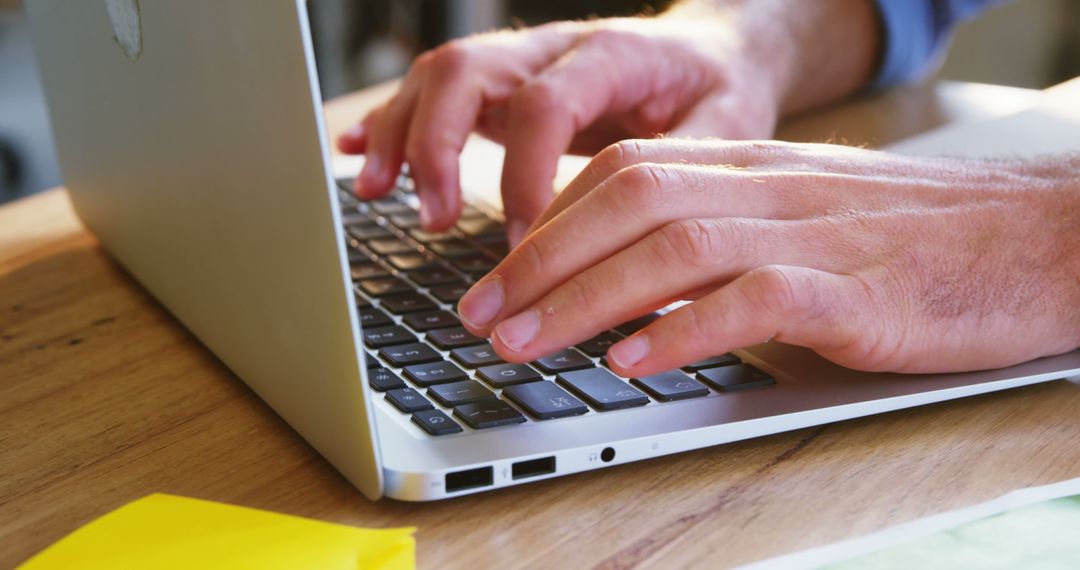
502	375
431	320
544	400
476	356
671	385
433	276
451	293
407	354
408	400
568	359
456	337
713	362
435	422
370	317
597	346
382	379
735	377
488	413
369	230
387	336
384	286
458	393
368	270
602	389
407	303
434	373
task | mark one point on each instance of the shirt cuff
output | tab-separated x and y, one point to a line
910	41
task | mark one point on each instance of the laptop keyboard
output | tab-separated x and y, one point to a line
408	282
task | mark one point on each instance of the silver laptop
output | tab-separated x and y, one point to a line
193	144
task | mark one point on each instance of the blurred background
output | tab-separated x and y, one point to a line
1026	43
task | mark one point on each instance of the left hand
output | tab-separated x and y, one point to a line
875	261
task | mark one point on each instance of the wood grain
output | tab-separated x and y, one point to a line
105	398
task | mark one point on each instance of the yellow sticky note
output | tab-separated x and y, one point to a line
169	532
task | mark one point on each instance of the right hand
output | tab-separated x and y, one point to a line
557	88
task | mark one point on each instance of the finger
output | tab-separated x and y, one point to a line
678	259
628	206
353	140
727	117
795	305
385	141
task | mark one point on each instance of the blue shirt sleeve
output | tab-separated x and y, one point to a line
916	32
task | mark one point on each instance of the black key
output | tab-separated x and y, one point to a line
450	293
407	303
428	237
431	320
362	302
473	263
371	362
502	375
433	276
480	226
390	206
713	362
390	246
671	385
544	400
371	317
476	356
368	230
499	249
434	373
598	345
408	400
411	262
367	271
382	379
453	248
406	221
387	336
346	185
435	422
406	354
383	286
456	337
637	324
458	393
735	377
357	256
568	359
602	389
488	413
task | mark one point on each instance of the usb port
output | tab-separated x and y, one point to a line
469	479
533	468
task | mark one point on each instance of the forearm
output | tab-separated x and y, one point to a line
813	52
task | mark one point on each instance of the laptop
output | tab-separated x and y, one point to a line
192	141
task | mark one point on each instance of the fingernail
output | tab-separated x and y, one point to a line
482	303
519	330
630	351
356	131
515	232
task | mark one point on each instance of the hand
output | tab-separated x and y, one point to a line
571	86
876	261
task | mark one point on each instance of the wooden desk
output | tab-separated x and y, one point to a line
105	398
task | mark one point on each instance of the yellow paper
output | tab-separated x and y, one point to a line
169	532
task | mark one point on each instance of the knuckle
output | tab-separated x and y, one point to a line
451	57
532	256
538	98
772	290
620	155
694	242
578	296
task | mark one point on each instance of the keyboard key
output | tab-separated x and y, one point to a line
411	261
434	373
488	413
435	422
408	400
544	400
357	255
713	362
382	379
407	303
456	337
371	362
362	302
602	389
371	317
406	221
346	186
390	246
365	231
480	226
433	276
598	345
637	324
476	356
387	336
390	206
383	286
568	359
735	377
360	271
473	263
453	248
502	375
458	393
428	237
671	385
407	354
431	320
450	293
